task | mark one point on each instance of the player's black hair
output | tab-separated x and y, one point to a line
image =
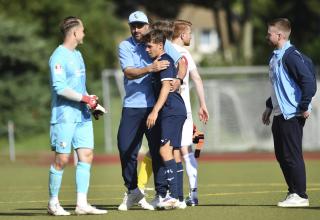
154	36
165	26
68	23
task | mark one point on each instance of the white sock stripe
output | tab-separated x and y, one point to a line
178	171
170	179
186	157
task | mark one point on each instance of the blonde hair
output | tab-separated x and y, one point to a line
179	27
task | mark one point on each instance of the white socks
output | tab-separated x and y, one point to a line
191	165
82	199
53	200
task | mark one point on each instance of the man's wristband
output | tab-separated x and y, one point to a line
181	80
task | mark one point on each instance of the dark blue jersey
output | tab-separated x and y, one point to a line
174	104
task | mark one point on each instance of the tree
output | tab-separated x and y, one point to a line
304	17
29	34
247	42
24	99
222	9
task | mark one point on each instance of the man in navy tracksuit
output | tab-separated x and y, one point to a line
137	104
292	90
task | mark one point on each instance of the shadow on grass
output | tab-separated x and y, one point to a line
43	211
234	205
271	206
99	206
72	208
22	214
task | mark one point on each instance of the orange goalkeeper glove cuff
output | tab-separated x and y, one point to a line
198	139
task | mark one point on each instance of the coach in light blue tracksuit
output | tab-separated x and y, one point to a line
137	104
292	90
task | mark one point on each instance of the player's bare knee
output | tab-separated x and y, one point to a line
177	155
61	161
85	155
166	152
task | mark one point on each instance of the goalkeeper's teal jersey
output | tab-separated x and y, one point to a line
67	70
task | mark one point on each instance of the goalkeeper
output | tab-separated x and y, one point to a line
71	118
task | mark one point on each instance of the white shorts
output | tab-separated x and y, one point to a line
187	131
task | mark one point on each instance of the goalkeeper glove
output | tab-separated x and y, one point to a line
90	100
98	111
198	139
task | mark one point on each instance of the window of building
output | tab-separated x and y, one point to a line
208	40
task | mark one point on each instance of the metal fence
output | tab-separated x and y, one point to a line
235	99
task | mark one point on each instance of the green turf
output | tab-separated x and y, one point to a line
231	190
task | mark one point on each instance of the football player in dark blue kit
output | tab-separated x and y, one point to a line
169	111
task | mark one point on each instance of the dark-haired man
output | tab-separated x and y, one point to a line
137	104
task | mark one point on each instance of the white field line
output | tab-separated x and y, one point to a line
254	192
71	188
201	195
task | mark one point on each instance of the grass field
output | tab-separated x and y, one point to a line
238	190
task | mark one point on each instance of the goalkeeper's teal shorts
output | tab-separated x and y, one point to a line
63	135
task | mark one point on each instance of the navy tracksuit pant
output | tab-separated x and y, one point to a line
130	134
287	135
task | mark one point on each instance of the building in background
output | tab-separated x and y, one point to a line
205	38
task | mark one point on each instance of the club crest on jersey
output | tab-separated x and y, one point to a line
57	69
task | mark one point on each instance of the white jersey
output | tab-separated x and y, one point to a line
186	139
185	93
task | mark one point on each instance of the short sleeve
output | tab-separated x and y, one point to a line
169	73
172	52
191	64
58	73
125	55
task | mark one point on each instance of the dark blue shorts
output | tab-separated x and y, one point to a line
171	130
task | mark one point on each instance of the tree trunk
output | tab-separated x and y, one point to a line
247	36
222	25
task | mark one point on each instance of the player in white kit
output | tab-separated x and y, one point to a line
182	37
